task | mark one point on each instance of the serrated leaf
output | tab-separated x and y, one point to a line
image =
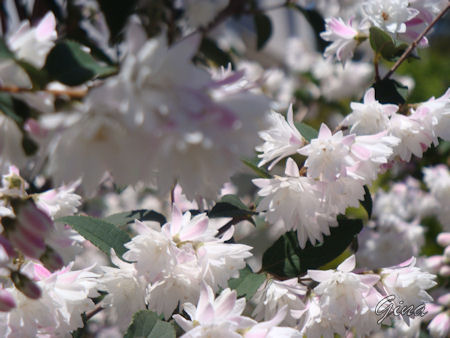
69	64
263	26
390	91
367	203
286	259
230	206
211	51
247	284
102	234
128	217
146	324
252	163
307	132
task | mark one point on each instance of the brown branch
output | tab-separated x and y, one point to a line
72	93
415	43
92	313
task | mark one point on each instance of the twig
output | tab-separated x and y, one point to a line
415	43
73	93
92	313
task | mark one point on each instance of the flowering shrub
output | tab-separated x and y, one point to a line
186	168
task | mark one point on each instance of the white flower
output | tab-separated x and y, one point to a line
59	202
327	154
389	15
440	325
342	293
126	291
408	283
415	139
343	38
11	151
281	140
65	296
369	117
274	295
269	329
220	316
297	202
33	44
438	181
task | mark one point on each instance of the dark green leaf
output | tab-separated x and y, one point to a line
146	324
247	283
263	26
69	64
383	44
29	146
307	132
390	91
212	52
286	259
5	53
367	203
39	77
7	107
124	218
230	206
252	163
102	234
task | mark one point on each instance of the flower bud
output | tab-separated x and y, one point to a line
6	250
443	239
7	302
27	242
26	285
51	259
30	217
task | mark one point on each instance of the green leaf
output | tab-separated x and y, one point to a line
383	44
307	132
38	77
286	259
116	13
124	218
102	234
252	163
147	324
263	26
390	91
247	284
231	206
211	51
69	64
7	107
5	53
367	203
316	21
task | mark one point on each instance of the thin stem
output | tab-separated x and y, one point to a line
73	93
415	43
91	314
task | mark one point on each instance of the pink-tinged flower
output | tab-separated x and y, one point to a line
343	37
369	117
443	239
389	15
297	201
220	316
407	282
282	139
59	202
273	295
7	302
270	328
440	325
328	155
343	293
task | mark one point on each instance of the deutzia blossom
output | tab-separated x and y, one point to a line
184	252
343	37
11	151
274	295
64	298
281	140
296	201
438	181
407	282
369	117
390	15
343	293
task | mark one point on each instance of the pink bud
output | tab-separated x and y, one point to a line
26	285
444	299
7	247
7	302
27	242
443	239
33	219
434	263
440	325
445	271
51	259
